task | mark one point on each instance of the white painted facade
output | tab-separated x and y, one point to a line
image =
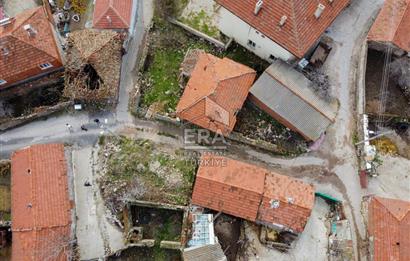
232	26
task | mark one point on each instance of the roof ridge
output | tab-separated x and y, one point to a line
34	11
407	3
103	13
119	15
295	26
23	40
391	209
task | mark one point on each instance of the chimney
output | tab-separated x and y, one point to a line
283	21
258	6
109	19
30	30
5	51
319	10
6	21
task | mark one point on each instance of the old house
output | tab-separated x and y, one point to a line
287	96
41	206
253	193
215	93
93	66
112	14
392	26
28	48
388	229
286	30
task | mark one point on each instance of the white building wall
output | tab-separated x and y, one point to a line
232	26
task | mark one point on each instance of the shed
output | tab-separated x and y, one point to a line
287	96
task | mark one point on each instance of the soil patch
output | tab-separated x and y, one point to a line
396	102
228	231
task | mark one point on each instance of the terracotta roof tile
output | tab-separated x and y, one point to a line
389	225
112	14
295	199
216	90
25	53
41	211
301	29
247	191
393	24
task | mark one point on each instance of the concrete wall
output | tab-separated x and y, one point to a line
241	32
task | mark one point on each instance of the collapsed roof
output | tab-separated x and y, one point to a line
93	65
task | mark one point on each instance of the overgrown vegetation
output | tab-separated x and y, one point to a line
258	125
142	170
201	21
168	45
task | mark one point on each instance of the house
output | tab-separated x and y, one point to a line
41	206
28	48
388	229
392	26
253	193
287	96
287	30
215	93
112	14
93	66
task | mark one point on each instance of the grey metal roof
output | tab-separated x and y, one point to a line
286	92
204	253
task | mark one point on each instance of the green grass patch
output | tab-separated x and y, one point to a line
201	21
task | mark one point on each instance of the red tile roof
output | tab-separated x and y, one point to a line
215	92
248	191
112	14
393	24
25	53
295	198
389	225
40	207
301	29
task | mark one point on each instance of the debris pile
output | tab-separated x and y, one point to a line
93	66
257	125
320	83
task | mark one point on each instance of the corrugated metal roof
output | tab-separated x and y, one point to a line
204	253
286	92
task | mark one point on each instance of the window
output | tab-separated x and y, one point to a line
251	43
45	66
272	57
2	82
